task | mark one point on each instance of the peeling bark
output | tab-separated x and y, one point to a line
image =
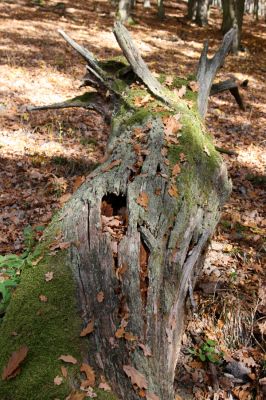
140	224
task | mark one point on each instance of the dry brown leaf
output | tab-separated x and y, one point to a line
182	157
17	357
78	182
194	86
173	191
135	376
146	350
172	124
88	329
90	374
35	262
49	276
143	200
169	81
130	337
142	101
43	298
68	359
181	92
64	371
100	297
104	386
164	151
158	191
110	166
120	332
63	199
58	380
176	169
152	396
76	396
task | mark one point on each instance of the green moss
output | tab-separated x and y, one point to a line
102	395
48	329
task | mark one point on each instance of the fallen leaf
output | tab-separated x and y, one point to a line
68	359
89	328
35	262
58	380
76	396
78	182
17	357
142	101
146	350
120	333
176	170
172	124
151	396
49	276
164	151
113	164
158	191
173	191
181	92
130	337
194	86
105	387
143	200
90	374
63	199
43	298
169	81
100	297
135	376
64	371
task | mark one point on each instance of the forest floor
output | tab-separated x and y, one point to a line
46	155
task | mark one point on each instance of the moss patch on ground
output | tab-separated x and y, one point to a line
48	329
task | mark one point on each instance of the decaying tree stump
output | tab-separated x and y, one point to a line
140	224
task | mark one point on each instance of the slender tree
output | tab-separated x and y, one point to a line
233	11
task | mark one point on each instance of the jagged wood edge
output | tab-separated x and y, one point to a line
137	63
208	67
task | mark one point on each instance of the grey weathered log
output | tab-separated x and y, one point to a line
232	86
207	69
137	63
164	184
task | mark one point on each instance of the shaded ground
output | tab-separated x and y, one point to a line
45	156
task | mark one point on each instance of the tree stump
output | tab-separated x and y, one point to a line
139	226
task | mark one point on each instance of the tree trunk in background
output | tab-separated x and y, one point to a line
192	9
233	11
202	12
147	4
161	12
139	226
124	10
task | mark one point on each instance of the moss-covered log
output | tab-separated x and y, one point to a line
140	224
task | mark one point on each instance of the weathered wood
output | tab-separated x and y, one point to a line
208	67
139	227
232	86
137	63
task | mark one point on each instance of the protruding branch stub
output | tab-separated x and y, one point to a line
207	69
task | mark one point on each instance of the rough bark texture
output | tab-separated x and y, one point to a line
233	11
208	67
162	187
